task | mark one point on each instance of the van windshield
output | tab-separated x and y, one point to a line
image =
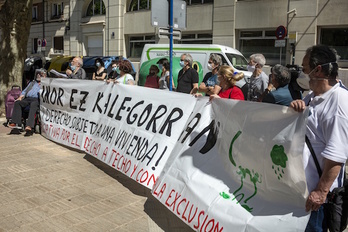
239	62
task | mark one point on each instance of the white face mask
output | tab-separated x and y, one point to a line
251	68
303	80
209	66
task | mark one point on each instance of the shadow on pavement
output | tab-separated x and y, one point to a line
159	214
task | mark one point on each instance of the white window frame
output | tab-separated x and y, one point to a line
320	29
54	45
94	2
55	9
263	36
196	38
142	39
34	13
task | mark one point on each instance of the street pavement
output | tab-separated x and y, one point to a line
45	186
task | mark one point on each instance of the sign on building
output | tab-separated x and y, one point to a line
160	14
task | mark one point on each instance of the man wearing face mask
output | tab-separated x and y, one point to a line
187	77
327	131
280	79
29	97
76	72
259	80
210	83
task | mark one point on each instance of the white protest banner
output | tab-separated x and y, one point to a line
130	128
222	166
238	167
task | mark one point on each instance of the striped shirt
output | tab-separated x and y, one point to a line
33	91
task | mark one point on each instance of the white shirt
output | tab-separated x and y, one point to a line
327	130
125	79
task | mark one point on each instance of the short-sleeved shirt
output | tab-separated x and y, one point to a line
186	80
125	79
257	85
327	131
232	93
210	79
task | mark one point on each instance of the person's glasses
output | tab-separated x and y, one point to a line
182	60
210	62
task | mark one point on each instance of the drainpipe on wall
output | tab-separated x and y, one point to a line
43	23
108	30
287	29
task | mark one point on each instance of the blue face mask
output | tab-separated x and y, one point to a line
182	64
97	64
160	66
114	69
73	67
118	70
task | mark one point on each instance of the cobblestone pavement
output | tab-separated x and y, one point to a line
47	187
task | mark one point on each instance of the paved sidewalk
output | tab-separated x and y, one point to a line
47	187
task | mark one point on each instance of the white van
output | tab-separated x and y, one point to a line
200	53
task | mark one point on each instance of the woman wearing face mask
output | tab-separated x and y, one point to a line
164	79
259	80
125	77
210	84
152	78
101	72
228	78
114	72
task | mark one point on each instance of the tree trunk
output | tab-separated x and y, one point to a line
15	22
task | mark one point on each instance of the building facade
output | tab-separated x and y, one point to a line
122	27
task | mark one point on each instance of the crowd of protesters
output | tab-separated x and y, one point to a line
326	130
221	81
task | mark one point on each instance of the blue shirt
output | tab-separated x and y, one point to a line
212	81
280	96
33	92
